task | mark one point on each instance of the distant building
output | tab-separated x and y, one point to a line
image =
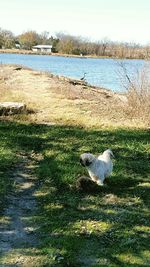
42	48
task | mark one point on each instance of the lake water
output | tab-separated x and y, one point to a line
99	72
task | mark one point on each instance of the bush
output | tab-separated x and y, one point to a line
138	93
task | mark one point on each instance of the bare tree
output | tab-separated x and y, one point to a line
7	39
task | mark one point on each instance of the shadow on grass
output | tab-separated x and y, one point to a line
108	227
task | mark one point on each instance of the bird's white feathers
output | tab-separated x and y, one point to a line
98	167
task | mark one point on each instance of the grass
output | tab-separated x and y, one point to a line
108	227
7	159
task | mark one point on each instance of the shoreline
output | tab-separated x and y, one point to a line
72	81
57	99
30	52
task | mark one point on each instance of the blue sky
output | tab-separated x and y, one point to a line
118	20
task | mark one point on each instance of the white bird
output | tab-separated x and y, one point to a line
98	167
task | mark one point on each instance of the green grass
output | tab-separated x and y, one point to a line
109	227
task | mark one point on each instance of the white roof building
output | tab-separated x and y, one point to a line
42	48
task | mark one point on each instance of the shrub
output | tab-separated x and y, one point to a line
138	93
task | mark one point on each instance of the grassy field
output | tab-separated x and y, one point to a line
108	227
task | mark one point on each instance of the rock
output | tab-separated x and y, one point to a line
10	108
18	68
77	82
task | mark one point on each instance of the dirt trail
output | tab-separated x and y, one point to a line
17	233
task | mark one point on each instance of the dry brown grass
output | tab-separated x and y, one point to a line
56	100
139	95
139	105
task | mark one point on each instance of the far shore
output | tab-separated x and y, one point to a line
30	52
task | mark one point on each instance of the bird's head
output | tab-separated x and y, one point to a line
86	159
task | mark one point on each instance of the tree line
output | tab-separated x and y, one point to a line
68	44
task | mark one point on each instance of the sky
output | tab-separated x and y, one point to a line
117	20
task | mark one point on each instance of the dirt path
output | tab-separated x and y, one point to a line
17	233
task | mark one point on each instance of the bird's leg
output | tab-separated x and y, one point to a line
100	181
97	180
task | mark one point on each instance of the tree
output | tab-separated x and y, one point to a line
54	42
1	38
29	39
44	38
68	44
7	39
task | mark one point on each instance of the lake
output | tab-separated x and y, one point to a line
102	72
